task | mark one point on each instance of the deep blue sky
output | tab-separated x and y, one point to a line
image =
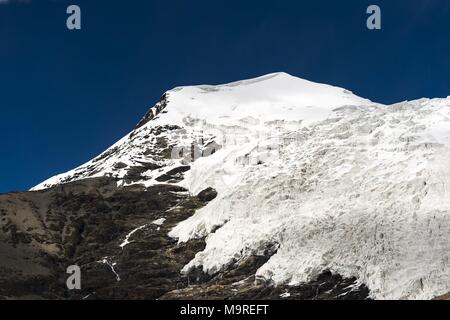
66	96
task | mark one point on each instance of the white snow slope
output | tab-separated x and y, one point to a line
335	181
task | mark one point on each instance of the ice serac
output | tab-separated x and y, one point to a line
333	181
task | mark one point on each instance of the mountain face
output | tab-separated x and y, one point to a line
274	187
190	123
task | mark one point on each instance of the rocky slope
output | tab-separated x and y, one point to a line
316	193
119	238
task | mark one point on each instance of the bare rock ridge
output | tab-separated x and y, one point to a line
153	112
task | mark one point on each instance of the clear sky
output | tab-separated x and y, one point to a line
65	96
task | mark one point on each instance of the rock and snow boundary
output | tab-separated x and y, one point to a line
335	181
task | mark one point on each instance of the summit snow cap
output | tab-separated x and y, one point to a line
277	96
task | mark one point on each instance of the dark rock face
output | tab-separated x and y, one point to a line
84	223
207	195
153	112
239	283
117	238
327	286
174	175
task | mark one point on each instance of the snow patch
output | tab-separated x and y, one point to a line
111	265
159	222
127	238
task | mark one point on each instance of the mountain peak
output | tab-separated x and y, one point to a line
332	180
252	105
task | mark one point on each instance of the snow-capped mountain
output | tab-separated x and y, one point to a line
238	113
322	177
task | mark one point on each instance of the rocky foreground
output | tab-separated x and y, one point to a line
86	223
